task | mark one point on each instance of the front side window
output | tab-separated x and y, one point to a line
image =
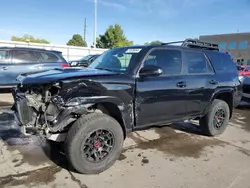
86	58
197	63
243	45
24	56
118	59
169	60
4	56
232	45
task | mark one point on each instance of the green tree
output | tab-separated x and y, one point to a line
112	38
154	42
29	38
77	40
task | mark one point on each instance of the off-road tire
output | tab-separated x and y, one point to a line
78	134
206	122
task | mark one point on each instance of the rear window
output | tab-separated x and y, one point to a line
49	57
222	62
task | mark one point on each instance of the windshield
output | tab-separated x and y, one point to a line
117	60
240	68
86	58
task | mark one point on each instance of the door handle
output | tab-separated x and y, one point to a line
4	68
213	82
181	84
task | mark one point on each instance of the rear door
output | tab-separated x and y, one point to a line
200	79
5	65
23	61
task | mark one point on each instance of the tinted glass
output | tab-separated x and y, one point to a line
118	59
221	62
24	56
86	58
197	63
169	60
232	45
243	45
49	57
4	56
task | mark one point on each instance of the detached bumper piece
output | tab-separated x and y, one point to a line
23	112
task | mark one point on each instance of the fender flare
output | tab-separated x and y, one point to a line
215	95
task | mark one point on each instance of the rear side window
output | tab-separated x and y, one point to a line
169	60
49	57
222	62
24	56
197	63
4	56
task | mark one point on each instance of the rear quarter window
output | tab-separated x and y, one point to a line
222	62
49	57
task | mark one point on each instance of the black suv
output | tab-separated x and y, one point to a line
129	88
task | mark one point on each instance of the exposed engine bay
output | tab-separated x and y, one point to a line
41	110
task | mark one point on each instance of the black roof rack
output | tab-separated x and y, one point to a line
195	43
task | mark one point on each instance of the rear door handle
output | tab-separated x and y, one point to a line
213	82
4	68
181	84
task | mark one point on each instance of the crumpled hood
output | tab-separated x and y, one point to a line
60	74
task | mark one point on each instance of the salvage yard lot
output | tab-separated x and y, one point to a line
172	156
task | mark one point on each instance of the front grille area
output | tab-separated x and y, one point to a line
24	111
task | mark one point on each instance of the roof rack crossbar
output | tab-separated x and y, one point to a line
195	43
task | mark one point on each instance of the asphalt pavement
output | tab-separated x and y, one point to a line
176	156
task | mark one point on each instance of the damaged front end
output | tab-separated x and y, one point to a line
41	110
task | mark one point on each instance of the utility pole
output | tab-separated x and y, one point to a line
95	25
84	36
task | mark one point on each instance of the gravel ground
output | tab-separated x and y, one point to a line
172	156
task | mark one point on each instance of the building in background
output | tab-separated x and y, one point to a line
237	44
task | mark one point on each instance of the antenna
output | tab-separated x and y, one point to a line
84	35
95	27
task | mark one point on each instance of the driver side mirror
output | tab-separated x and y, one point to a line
150	71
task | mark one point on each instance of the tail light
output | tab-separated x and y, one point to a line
65	65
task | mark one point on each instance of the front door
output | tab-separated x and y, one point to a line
160	99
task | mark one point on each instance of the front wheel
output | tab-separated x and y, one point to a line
94	143
216	120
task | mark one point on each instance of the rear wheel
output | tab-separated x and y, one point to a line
216	120
94	143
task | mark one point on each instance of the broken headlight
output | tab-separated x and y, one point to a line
75	101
